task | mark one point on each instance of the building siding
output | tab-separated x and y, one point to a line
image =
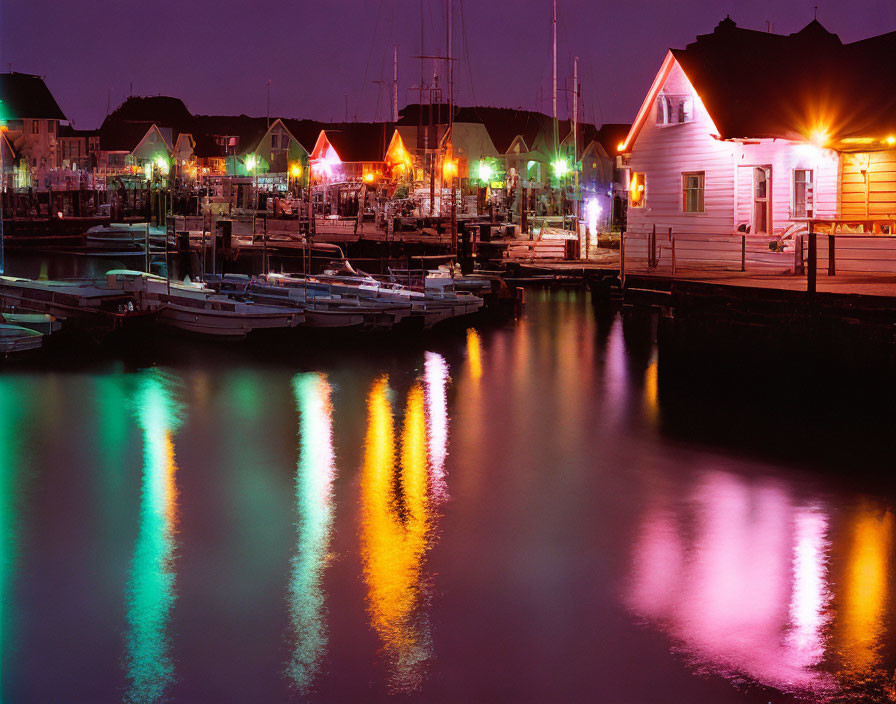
664	152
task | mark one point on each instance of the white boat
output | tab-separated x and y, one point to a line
67	299
126	233
195	308
16	341
40	322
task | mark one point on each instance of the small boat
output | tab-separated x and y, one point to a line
126	233
195	308
40	322
16	341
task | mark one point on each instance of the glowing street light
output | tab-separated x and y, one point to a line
485	172
561	168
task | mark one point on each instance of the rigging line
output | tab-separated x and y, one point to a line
373	38
463	29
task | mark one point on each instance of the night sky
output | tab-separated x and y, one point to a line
315	53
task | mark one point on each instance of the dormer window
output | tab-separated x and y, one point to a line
674	109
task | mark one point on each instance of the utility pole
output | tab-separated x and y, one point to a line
575	122
554	75
269	103
395	82
452	203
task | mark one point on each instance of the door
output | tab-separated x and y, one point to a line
762	201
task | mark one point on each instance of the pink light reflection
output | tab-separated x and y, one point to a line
742	593
436	375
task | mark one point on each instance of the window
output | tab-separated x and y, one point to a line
51	126
637	193
685	109
35	127
275	141
803	194
692	191
674	109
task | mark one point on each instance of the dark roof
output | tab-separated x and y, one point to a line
758	84
250	131
360	141
125	126
121	137
23	96
69	131
162	110
610	135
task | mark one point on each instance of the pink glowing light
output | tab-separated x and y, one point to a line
436	374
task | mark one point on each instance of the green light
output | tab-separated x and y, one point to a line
314	504
485	171
250	162
561	168
150	590
163	166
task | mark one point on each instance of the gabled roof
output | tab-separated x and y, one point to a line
163	110
762	85
23	96
360	141
122	137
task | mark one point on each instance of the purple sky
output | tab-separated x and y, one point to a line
315	52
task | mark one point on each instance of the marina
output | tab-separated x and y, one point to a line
444	352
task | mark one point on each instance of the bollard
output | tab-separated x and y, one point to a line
743	252
832	268
811	264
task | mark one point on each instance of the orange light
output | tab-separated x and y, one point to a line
4	128
819	137
368	177
295	170
891	140
449	168
621	147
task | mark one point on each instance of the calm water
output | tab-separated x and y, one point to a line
522	513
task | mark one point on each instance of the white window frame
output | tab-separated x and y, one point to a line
684	192
673	109
809	184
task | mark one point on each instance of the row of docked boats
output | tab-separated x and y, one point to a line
234	306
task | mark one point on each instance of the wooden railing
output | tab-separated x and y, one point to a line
663	251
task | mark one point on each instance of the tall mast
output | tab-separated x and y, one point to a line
395	83
575	129
554	74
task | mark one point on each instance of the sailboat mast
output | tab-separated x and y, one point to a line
554	74
395	82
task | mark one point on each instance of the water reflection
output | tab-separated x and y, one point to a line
14	408
436	372
395	532
474	354
150	590
739	582
314	503
861	611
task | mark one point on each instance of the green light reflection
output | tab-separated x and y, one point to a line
150	590
14	410
314	504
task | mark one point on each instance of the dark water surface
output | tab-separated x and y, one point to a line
527	512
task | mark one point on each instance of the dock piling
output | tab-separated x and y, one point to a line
812	263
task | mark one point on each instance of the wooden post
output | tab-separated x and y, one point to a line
264	249
673	255
146	247
651	249
622	259
811	264
832	248
743	252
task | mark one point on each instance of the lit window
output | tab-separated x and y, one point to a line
692	191
685	109
35	127
674	109
803	194
637	193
